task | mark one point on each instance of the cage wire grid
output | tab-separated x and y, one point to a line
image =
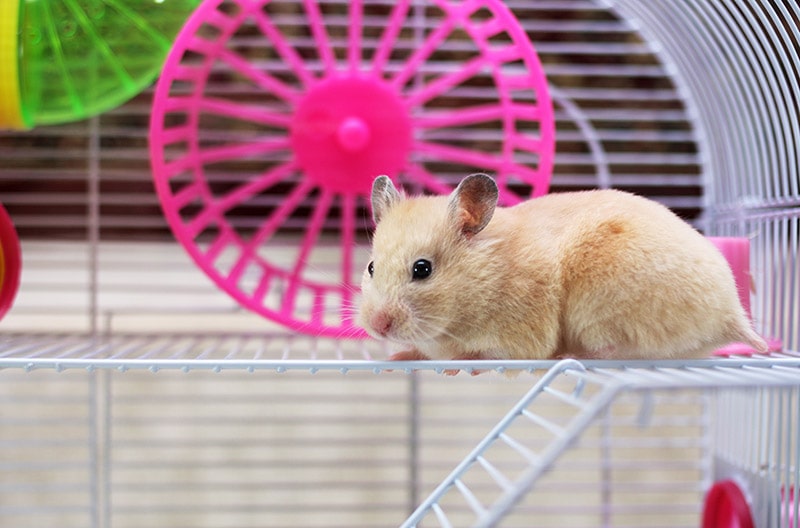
592	392
113	413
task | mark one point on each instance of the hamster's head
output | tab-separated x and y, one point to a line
423	258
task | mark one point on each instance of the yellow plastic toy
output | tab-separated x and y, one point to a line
65	60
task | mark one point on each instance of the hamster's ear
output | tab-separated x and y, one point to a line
472	204
384	196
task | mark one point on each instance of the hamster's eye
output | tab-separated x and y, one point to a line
422	269
371	269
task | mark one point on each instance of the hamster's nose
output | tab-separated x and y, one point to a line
382	323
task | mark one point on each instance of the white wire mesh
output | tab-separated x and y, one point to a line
752	429
775	246
738	65
757	433
48	437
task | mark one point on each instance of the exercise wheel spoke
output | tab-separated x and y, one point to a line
530	144
243	112
318	306
315	225
177	134
254	186
279	215
178	166
242	262
348	244
527	112
462	116
260	78
320	35
470	115
227	108
199	223
389	36
238	196
262	288
414	63
526	173
222	241
250	149
187	195
447	81
418	174
354	34
284	49
463	156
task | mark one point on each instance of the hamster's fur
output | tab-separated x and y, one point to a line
593	275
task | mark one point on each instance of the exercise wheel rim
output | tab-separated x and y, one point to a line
544	102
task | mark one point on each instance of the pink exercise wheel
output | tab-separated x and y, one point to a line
271	119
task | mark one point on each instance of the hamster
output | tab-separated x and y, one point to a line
588	275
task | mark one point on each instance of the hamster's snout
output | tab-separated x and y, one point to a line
381	322
385	321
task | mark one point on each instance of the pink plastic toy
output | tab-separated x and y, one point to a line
343	103
736	251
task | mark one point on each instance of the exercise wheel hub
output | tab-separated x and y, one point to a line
349	129
353	134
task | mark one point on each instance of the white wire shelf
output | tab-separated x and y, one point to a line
283	352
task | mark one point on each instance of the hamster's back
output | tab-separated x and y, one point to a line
637	281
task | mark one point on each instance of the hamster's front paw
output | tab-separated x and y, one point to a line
416	355
466	357
409	355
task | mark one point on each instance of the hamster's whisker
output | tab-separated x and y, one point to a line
436	328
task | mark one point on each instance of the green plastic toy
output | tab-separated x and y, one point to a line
65	60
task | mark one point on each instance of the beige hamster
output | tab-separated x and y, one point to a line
593	275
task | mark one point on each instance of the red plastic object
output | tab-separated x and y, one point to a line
726	507
10	262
